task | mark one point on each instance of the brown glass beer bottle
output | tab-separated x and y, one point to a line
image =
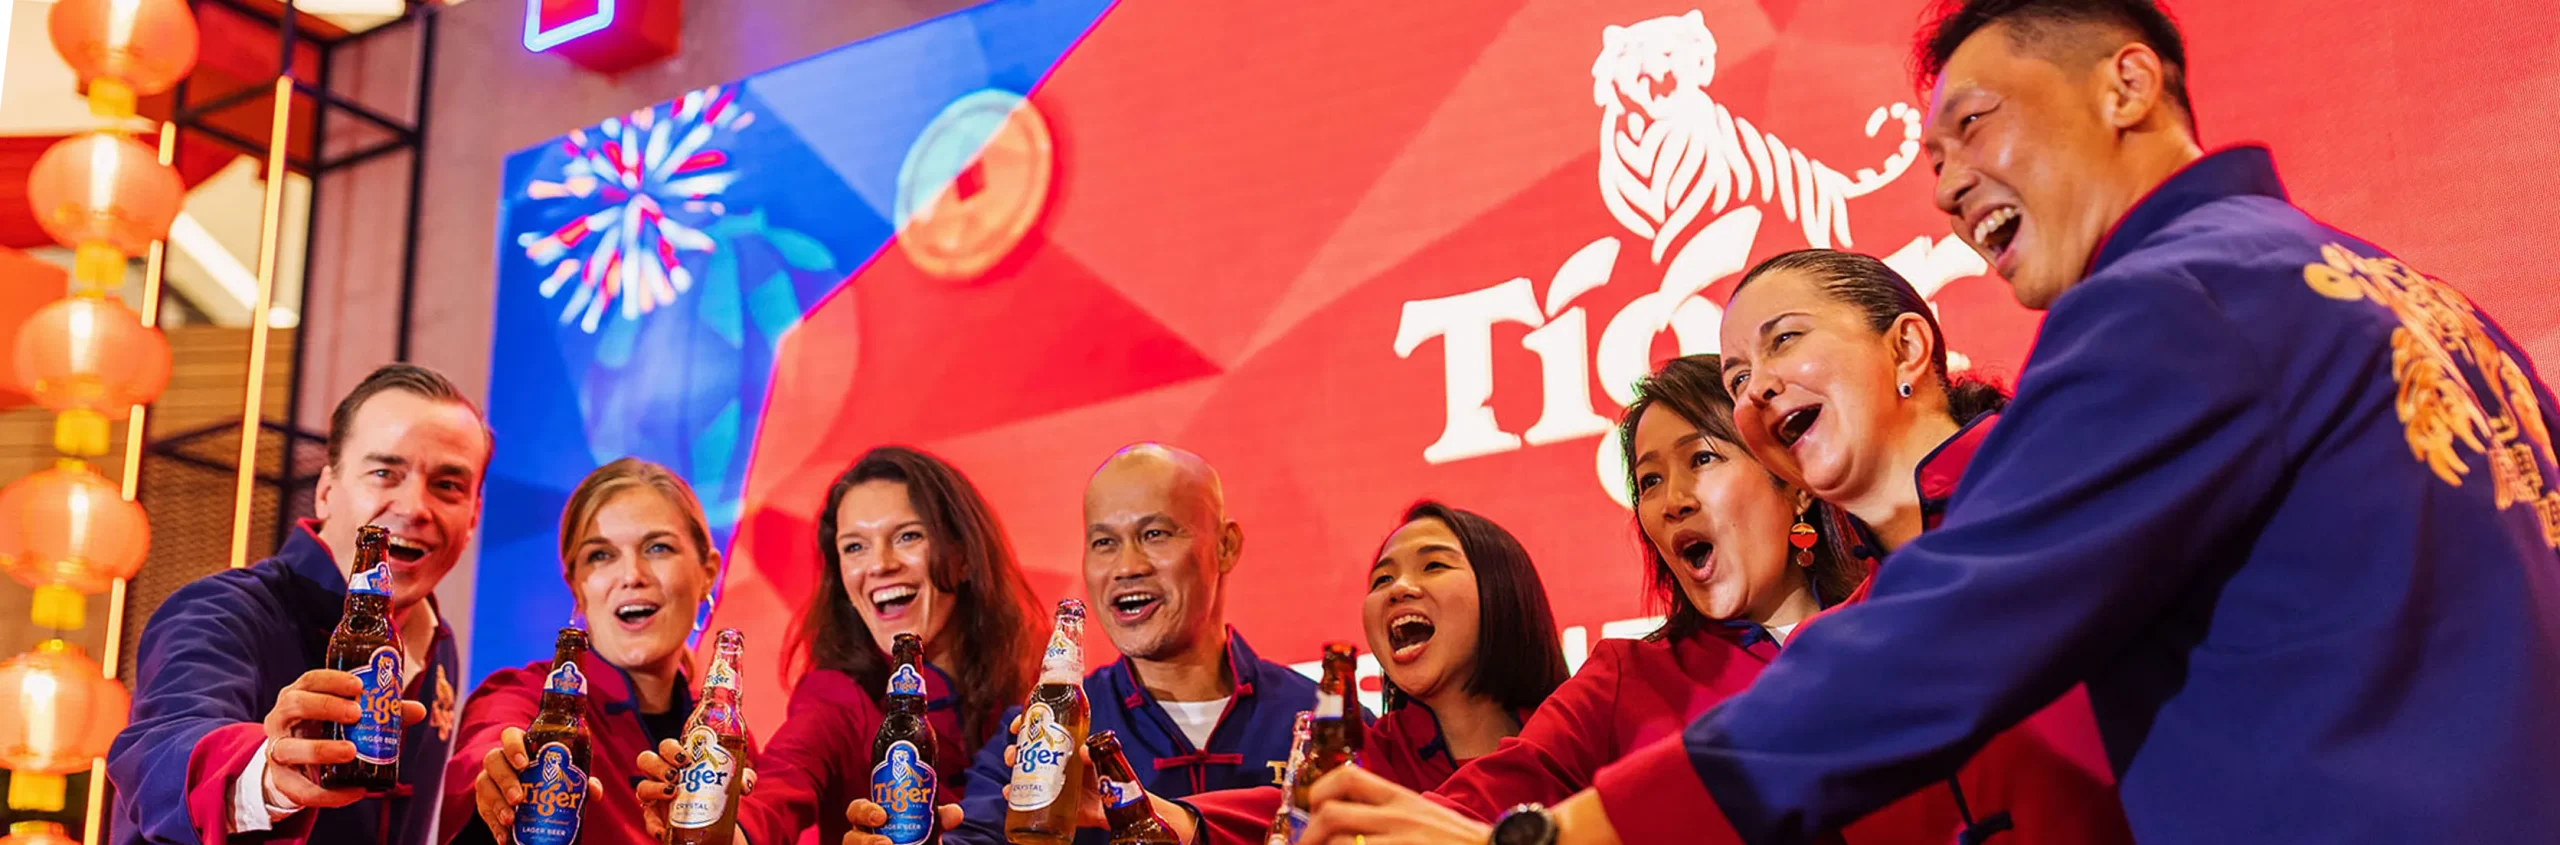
705	809
902	776
1333	733
365	645
1040	802
1124	800
555	784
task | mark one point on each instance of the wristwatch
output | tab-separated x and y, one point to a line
1527	824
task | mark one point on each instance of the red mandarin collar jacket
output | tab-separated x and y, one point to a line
2048	776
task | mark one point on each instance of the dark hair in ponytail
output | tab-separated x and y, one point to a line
1872	287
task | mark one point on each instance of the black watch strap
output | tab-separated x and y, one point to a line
1527	824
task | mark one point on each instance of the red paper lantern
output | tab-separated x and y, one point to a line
68	532
58	712
102	187
91	353
144	45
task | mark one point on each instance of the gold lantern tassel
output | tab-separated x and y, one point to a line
111	98
60	608
35	792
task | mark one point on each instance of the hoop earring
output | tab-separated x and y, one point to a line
1906	390
1802	536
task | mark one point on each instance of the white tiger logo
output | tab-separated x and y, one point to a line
1669	153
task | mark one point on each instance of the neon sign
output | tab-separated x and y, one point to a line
606	36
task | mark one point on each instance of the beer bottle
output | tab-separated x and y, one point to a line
555	781
705	809
1279	832
1333	733
1124	801
1040	802
902	776
364	646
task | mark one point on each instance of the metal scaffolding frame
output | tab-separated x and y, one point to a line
195	116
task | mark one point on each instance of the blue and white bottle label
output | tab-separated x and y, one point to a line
565	678
903	784
905	681
554	797
1118	794
1297	823
372	582
376	733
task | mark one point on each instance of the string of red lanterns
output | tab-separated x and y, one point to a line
68	532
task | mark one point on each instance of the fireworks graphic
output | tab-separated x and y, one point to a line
653	178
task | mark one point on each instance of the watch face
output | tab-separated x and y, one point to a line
1524	826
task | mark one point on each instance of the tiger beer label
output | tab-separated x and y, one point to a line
1117	794
1328	705
372	582
905	681
1039	760
903	785
565	678
556	791
376	733
702	787
721	676
1063	662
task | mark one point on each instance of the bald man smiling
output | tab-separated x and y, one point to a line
1195	709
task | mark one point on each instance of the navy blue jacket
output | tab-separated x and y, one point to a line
2286	507
210	664
1250	746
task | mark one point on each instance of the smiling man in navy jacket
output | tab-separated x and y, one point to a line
231	662
2287	505
1195	708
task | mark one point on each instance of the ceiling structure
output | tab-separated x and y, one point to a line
214	242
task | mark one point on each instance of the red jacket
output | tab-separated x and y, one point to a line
2048	775
1403	746
820	759
510	698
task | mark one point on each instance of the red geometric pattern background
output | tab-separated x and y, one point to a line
1245	202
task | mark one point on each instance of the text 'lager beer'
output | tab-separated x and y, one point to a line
365	646
1279	833
1124	801
705	809
1333	733
1041	800
555	781
902	776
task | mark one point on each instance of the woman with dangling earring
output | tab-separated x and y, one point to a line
906	545
1741	559
637	555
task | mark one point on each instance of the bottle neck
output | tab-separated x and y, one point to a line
568	704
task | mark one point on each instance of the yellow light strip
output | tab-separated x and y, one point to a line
113	656
268	245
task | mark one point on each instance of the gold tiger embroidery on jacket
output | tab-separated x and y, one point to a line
2446	412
